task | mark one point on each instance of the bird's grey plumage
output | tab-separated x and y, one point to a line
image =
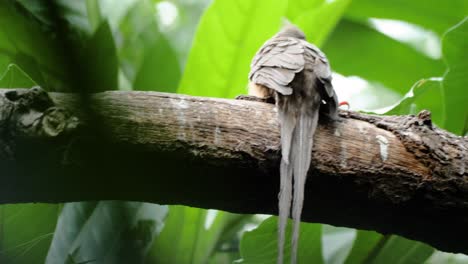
297	73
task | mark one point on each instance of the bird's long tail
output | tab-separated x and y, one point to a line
297	130
301	154
287	121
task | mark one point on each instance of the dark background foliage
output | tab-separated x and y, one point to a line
389	57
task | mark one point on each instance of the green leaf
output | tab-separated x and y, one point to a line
431	14
425	94
25	232
72	219
260	245
31	44
14	77
399	250
455	83
447	258
109	232
191	235
299	7
319	21
76	14
160	69
100	58
364	246
94	13
147	58
375	57
37	9
229	34
116	13
336	243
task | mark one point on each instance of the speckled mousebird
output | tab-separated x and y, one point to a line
297	74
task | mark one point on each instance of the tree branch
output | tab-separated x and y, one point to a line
393	174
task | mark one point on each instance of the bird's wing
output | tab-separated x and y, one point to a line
276	64
324	75
321	67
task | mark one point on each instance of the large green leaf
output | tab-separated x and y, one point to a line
336	243
147	59
298	7
371	247
116	13
25	232
100	60
181	31
447	258
191	235
399	250
425	94
260	245
14	77
31	44
317	21
37	9
364	246
358	49
432	14
455	83
229	34
76	14
109	232
160	69
72	219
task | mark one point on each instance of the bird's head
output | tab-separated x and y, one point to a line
290	30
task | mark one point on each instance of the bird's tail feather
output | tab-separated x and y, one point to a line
301	152
287	121
297	133
285	197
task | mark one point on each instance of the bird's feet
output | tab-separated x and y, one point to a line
344	103
345	114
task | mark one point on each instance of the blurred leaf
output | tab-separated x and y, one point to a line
37	9
376	57
14	77
229	34
261	244
139	31
147	59
181	31
425	94
26	232
191	235
72	219
447	258
160	69
336	243
109	232
431	14
299	7
116	13
76	14
318	21
364	246
94	13
455	83
398	250
100	58
4	62
31	44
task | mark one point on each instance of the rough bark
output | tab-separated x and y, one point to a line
393	174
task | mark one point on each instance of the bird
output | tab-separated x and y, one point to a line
297	75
